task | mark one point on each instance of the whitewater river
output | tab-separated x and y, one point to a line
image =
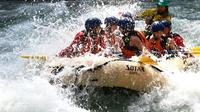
44	28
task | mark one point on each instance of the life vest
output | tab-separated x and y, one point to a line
153	15
110	39
178	40
129	51
92	44
82	43
156	45
160	18
113	43
147	13
142	38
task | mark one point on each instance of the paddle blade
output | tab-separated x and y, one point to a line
44	58
196	48
147	60
196	53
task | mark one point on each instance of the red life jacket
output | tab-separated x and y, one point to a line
142	38
82	44
155	45
111	40
178	40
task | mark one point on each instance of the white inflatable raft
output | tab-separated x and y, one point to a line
109	72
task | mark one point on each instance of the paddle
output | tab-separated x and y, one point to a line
148	60
196	48
145	59
195	51
37	57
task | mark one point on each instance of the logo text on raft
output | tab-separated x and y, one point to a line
135	68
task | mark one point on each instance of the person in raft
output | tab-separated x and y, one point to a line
179	41
157	44
158	13
132	40
89	40
113	37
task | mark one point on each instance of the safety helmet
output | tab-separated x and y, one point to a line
166	23
163	3
126	23
127	14
91	23
111	20
157	26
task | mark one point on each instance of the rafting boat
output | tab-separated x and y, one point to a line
101	71
109	72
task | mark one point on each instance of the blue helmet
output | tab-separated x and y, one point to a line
127	14
157	26
111	20
167	23
91	23
126	23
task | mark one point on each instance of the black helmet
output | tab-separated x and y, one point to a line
111	20
157	26
91	23
127	14
126	23
167	23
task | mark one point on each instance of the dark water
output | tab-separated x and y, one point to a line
45	27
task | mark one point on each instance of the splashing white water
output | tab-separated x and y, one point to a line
35	95
21	92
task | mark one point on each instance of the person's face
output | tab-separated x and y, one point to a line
148	20
162	8
113	27
95	31
122	30
166	30
158	34
98	29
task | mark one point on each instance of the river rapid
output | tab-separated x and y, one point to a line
46	27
